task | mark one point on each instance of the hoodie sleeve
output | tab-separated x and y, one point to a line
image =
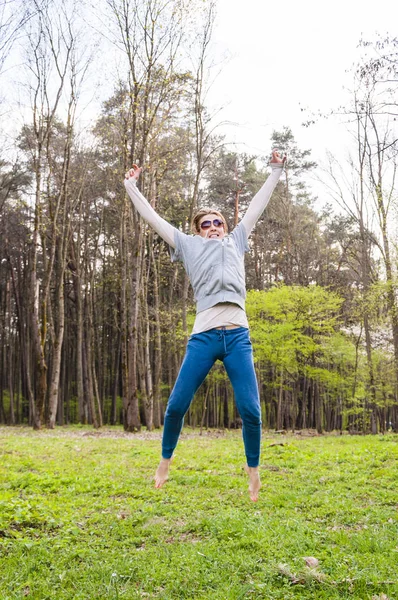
161	226
261	199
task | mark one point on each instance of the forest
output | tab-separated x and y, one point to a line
94	317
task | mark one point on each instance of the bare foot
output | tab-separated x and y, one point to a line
162	472
254	482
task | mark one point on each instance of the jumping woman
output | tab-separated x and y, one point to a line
214	261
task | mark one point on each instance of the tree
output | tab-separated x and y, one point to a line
379	71
14	343
291	327
55	67
13	17
150	34
373	173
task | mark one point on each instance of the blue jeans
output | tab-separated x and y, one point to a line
233	347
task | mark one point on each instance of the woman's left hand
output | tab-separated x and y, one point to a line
277	159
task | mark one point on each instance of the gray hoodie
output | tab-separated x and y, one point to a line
216	268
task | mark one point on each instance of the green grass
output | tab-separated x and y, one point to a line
80	519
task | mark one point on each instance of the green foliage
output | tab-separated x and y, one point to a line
80	518
289	325
298	160
298	336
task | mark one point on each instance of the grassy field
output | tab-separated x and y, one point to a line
80	519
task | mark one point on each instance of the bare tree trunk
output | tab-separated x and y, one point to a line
318	407
24	343
116	382
96	393
279	414
148	372
157	345
77	284
87	364
132	415
56	355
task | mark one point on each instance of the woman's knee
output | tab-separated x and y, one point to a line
251	415
175	409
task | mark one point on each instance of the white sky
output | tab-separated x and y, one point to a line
288	55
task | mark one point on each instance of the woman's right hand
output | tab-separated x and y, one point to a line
134	172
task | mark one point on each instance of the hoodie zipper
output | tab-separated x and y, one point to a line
222	265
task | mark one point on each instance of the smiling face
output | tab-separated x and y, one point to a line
211	226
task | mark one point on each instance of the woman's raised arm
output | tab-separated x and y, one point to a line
162	227
261	199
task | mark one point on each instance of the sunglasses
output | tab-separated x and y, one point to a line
216	223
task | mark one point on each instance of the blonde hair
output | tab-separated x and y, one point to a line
195	227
